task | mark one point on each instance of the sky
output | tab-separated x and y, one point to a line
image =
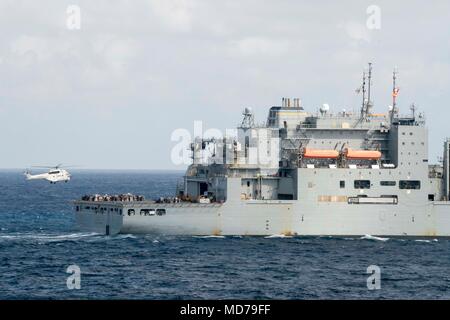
109	94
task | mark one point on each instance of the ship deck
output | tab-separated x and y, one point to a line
146	203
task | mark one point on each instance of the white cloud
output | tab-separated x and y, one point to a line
356	31
175	14
252	46
44	48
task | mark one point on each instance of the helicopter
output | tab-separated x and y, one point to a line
54	175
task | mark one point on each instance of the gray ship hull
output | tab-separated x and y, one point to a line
263	218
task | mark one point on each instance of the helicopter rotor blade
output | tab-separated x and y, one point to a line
44	167
58	166
69	166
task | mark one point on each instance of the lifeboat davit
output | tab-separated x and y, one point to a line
362	154
320	154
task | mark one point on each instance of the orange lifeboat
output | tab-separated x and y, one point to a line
362	154
320	154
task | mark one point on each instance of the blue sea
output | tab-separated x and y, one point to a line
38	241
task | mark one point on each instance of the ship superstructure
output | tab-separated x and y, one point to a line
301	173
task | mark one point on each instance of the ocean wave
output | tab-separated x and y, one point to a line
277	236
210	236
426	241
124	236
369	237
45	237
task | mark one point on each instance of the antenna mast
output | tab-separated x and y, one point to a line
394	88
369	103
394	93
370	78
366	104
363	95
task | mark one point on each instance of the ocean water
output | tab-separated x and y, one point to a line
38	241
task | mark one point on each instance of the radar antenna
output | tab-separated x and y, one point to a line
249	120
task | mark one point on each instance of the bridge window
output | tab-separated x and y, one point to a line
362	184
160	212
388	183
148	212
409	184
130	212
342	184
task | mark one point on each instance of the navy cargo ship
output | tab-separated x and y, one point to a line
301	173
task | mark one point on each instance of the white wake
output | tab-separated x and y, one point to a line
369	237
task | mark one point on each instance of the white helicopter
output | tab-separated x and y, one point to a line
54	175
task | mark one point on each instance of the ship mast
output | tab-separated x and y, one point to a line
369	103
394	93
363	95
366	104
368	89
